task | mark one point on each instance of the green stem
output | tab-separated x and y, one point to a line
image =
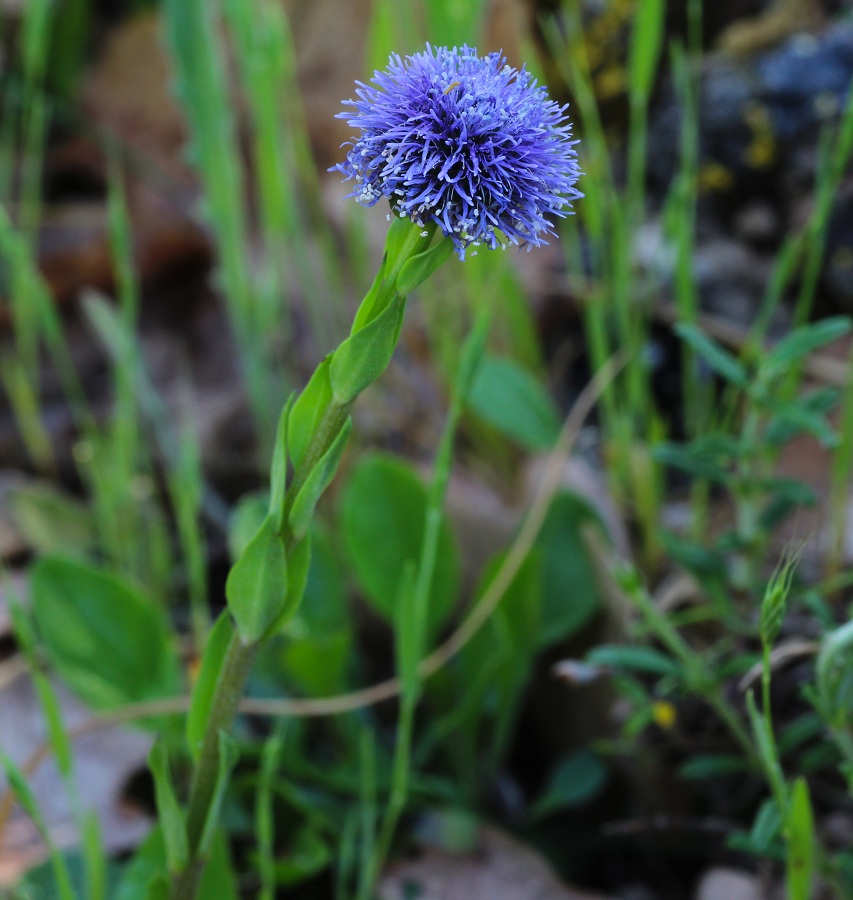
420	595
695	667
233	676
239	655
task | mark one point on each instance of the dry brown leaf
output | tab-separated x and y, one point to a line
104	762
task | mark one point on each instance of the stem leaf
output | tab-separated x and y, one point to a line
256	589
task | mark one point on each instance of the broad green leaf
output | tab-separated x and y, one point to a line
570	592
719	359
382	518
318	641
169	812
318	663
257	585
365	354
575	781
633	659
110	644
324	607
513	401
800	840
205	685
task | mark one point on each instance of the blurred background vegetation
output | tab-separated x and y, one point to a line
642	653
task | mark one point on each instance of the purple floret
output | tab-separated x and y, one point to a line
466	142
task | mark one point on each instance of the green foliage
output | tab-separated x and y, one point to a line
170	814
205	684
382	521
52	521
257	587
332	793
508	397
574	782
570	592
109	642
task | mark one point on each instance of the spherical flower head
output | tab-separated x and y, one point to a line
466	142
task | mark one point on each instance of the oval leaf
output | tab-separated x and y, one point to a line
110	644
512	400
382	515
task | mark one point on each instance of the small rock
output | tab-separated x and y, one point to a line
757	224
501	869
728	884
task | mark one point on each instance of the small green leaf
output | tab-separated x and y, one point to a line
298	564
278	467
719	359
317	481
246	518
704	562
513	401
169	812
794	417
800	838
416	270
110	644
256	588
803	341
766	826
307	411
365	355
633	659
205	685
574	782
712	765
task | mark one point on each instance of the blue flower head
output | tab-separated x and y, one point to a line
466	142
